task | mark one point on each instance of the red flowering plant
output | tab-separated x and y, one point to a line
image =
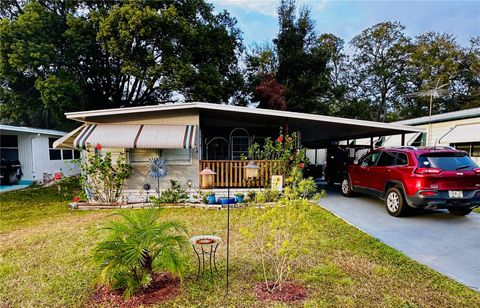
76	199
283	156
98	147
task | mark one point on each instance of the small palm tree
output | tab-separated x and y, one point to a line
136	245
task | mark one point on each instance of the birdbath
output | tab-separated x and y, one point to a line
206	245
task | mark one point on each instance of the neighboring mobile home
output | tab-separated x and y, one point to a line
192	136
459	129
33	149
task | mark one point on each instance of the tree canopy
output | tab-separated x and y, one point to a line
60	56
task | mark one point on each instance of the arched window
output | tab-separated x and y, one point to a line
239	142
217	149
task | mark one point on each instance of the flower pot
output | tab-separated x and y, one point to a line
211	199
239	199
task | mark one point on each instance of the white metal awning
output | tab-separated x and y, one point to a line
462	133
141	136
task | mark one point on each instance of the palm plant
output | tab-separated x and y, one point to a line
135	246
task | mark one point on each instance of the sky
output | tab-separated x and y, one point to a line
258	21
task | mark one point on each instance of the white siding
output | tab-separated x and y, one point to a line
33	154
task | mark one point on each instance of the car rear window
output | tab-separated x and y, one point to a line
447	161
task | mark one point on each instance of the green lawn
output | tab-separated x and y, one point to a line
45	248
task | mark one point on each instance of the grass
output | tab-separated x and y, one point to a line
44	261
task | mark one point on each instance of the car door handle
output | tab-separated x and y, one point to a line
388	170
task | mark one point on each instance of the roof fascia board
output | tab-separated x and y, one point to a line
81	116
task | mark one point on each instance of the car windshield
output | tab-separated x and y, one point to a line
447	161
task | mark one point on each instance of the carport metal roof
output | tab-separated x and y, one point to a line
315	129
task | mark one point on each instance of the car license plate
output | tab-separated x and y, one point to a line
455	194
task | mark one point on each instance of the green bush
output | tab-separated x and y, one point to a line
174	194
268	195
137	245
103	177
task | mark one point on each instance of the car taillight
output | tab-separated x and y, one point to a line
428	171
428	193
477	171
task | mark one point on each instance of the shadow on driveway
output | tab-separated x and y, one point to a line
446	243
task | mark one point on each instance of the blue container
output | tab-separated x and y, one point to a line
225	200
211	199
239	199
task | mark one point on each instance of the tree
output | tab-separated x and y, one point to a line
137	245
435	60
380	62
59	56
294	61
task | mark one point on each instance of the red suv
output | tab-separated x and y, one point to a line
429	178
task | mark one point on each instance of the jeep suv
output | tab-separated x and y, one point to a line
429	178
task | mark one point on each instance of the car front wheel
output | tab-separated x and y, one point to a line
395	202
346	187
460	212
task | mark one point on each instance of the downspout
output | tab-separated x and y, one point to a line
32	147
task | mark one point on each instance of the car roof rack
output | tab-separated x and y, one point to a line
403	147
437	147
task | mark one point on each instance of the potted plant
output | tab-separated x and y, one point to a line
208	197
239	197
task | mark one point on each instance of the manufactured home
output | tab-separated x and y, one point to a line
193	136
27	154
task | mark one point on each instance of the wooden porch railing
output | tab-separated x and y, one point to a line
232	172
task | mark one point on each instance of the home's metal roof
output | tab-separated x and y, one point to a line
30	130
444	117
316	129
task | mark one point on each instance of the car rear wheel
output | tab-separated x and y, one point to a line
460	212
346	187
395	202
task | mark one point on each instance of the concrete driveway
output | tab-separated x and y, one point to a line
445	243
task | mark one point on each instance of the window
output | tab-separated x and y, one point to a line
171	156
67	154
240	146
472	148
143	155
55	154
370	159
76	154
217	149
176	156
421	140
9	147
387	159
447	161
401	159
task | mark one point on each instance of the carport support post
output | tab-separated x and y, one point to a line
403	139
371	143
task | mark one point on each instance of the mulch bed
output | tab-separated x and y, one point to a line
290	293
163	287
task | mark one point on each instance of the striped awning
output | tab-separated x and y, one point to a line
140	136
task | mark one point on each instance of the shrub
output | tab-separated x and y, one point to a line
282	236
103	178
268	195
135	246
175	194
